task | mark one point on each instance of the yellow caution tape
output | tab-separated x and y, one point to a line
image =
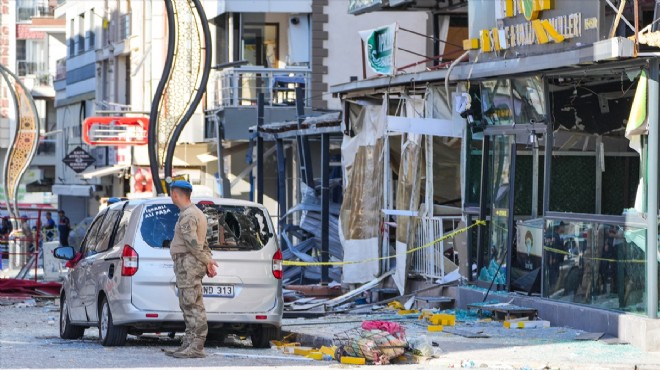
559	251
429	244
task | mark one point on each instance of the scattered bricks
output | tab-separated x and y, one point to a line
353	360
302	351
407	312
284	346
434	328
538	324
318	356
329	351
426	313
443	319
514	322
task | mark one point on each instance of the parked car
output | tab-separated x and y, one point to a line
78	232
123	280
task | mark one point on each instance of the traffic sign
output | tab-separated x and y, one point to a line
78	160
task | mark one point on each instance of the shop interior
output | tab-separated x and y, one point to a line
564	154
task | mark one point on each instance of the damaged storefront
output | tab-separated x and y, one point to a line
405	147
558	155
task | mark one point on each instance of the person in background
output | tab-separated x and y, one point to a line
50	223
6	227
49	227
64	227
26	229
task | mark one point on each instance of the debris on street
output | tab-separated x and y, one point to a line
12	290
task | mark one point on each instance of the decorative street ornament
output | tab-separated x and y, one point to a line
25	139
184	79
379	50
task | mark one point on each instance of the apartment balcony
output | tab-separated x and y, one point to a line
60	69
60	75
365	6
26	13
239	87
115	39
232	98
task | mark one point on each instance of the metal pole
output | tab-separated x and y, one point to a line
158	96
547	166
483	201
549	143
37	233
599	175
652	197
387	189
535	181
281	187
303	143
325	206
260	149
512	196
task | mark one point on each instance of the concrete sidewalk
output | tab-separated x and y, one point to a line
479	343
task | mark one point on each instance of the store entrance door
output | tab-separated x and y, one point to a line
500	184
514	188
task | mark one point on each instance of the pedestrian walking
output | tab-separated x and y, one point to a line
64	227
192	260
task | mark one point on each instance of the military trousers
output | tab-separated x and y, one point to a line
189	272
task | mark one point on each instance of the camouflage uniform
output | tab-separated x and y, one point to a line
191	254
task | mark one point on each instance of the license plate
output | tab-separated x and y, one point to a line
218	291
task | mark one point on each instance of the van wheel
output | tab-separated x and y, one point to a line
109	334
68	330
262	336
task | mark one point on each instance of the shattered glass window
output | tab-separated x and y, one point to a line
229	227
236	227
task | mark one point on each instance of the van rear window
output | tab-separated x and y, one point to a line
229	227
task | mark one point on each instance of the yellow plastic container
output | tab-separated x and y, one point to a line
302	351
318	356
443	319
330	351
433	328
353	360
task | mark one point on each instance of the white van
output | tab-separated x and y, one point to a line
123	282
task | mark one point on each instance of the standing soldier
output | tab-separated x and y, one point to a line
192	260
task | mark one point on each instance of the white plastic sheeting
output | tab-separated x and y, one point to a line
359	221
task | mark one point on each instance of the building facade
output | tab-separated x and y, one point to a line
32	41
556	107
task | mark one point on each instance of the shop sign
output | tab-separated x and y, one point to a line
379	48
533	26
78	160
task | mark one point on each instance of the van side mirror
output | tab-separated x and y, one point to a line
64	253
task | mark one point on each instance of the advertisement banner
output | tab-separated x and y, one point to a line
379	48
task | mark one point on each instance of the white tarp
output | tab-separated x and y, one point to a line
362	164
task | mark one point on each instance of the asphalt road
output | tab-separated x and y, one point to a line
29	338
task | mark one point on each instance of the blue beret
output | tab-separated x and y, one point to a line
181	184
113	200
